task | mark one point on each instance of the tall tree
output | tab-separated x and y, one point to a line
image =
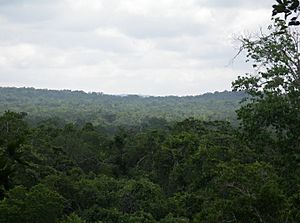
271	119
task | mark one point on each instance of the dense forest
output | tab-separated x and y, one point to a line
169	169
189	171
111	110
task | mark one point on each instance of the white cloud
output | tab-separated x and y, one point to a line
130	46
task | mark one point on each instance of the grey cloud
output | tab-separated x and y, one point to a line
250	4
63	39
22	11
22	2
12	2
142	27
177	50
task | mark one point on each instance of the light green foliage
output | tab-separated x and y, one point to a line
109	110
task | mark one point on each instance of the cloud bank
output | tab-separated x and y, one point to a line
166	47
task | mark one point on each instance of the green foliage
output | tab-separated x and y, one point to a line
73	218
13	132
270	122
153	170
170	219
110	111
138	217
39	204
191	171
275	56
142	195
273	113
288	8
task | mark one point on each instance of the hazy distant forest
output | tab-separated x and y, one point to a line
112	111
75	157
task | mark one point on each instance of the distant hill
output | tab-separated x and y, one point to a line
99	108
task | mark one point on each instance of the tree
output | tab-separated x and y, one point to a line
142	195
288	8
72	218
275	86
13	132
270	121
39	204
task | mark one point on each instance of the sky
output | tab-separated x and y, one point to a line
148	47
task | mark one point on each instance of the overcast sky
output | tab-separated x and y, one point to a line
165	47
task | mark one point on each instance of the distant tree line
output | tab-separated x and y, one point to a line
111	110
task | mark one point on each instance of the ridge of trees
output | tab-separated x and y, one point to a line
111	110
